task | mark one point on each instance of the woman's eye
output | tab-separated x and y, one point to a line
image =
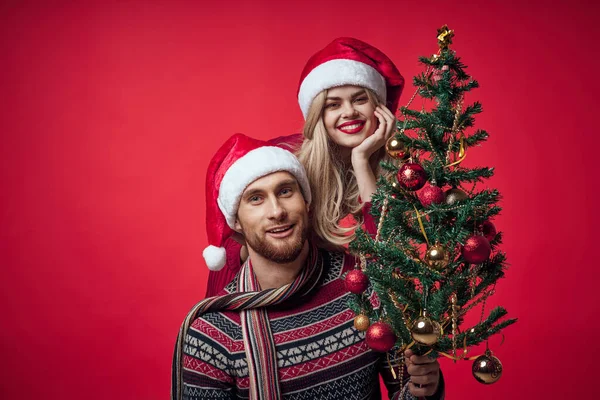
331	105
362	99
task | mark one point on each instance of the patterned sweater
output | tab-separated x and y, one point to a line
320	353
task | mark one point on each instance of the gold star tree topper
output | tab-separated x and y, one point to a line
445	36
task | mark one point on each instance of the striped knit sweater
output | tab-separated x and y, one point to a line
320	353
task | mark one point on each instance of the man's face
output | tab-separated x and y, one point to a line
273	217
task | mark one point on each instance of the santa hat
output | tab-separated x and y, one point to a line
240	161
349	61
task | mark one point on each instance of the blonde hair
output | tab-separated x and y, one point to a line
332	183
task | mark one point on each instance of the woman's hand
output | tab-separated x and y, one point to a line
365	177
387	125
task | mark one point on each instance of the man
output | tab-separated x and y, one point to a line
282	328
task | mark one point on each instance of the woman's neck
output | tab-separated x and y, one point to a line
345	155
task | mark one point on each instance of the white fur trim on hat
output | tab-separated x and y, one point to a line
215	257
256	164
339	72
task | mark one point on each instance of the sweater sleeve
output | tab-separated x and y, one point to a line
217	280
206	365
369	222
385	370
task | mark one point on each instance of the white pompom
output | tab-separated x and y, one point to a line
215	257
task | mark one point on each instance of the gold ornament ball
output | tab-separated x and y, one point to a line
362	322
453	195
396	149
487	369
437	257
425	331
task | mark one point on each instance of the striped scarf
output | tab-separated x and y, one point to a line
258	338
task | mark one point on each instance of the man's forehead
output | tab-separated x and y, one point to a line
272	180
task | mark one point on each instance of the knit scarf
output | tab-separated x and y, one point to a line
259	345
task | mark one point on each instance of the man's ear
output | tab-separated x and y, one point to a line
237	226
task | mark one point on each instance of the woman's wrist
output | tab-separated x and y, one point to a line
359	161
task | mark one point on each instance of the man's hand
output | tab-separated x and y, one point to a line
424	374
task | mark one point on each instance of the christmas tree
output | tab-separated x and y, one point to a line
436	253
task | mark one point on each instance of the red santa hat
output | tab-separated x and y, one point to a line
240	161
349	61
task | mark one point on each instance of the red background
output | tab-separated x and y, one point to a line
110	113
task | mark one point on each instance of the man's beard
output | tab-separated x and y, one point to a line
286	252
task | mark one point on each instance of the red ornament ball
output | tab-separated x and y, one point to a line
412	176
476	250
431	194
356	281
381	337
488	229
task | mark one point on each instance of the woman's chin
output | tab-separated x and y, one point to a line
349	141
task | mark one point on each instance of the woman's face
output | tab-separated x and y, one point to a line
348	115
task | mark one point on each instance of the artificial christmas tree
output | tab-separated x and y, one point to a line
436	253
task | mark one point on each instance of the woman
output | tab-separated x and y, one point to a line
346	92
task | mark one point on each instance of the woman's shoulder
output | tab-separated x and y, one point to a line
288	142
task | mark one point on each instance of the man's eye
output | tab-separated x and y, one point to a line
254	199
286	191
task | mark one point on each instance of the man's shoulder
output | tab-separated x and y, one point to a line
230	288
222	327
337	263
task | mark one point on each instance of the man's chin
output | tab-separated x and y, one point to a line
285	254
281	251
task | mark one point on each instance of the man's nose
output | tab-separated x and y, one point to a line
277	210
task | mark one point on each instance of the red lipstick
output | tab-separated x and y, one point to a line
351	127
